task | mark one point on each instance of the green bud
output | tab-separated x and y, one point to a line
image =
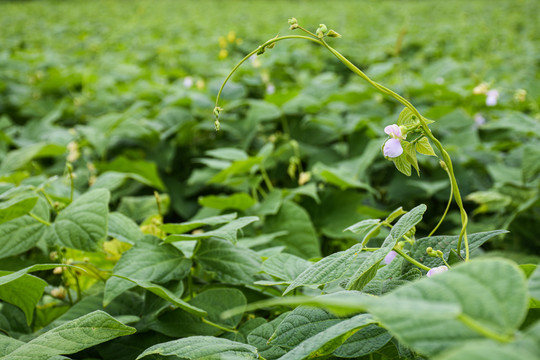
321	30
443	165
293	26
332	33
293	21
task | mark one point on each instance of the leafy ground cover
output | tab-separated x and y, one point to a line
130	228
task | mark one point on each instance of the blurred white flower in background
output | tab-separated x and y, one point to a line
188	82
491	97
270	89
479	120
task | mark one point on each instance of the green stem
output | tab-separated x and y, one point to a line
446	210
427	132
266	178
474	325
39	219
410	259
217	326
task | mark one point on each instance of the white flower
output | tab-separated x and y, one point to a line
479	120
270	89
392	147
491	97
437	270
188	82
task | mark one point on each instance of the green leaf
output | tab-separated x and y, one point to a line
123	228
195	224
301	324
23	233
23	292
143	171
490	293
17	207
148	260
325	342
489	350
424	147
260	338
83	224
301	239
402	164
408	221
446	244
227	232
236	168
19	158
74	336
232	264
534	284
368	227
326	270
139	208
407	118
166	294
237	201
365	341
410	153
203	348
285	266
227	154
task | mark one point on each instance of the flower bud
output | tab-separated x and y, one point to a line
321	30
332	33
293	21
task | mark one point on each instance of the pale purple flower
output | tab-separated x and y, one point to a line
188	82
392	148
491	97
439	80
437	270
388	258
270	89
394	131
479	120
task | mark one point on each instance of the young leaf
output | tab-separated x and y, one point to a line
195	224
74	336
402	164
203	347
410	152
227	232
17	207
83	224
424	147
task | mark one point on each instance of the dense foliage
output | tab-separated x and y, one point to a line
130	228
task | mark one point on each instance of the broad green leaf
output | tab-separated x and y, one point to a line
83	224
231	264
489	350
368	227
23	233
203	348
446	244
110	180
17	207
16	275
285	266
148	260
166	294
531	162
326	270
325	342
129	347
368	269
237	201
12	322
365	341
231	154
402	164
270	205
424	147
260	338
301	239
407	118
143	171
236	168
74	336
227	232
138	208
214	302
301	324
23	292
19	158
490	293
123	228
534	284
195	224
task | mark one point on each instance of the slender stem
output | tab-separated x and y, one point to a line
269	42
410	259
217	326
446	210
474	325
39	219
266	178
47	198
427	132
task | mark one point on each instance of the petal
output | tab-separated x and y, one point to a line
388	258
392	148
437	270
393	130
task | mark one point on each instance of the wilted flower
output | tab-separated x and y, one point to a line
388	258
392	147
437	270
491	97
